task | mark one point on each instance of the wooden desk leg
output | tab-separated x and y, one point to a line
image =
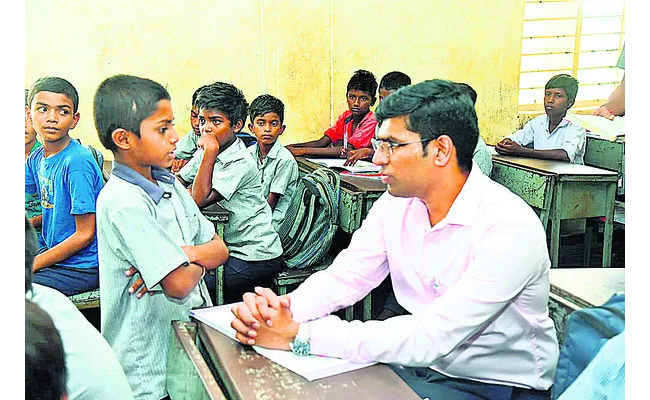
608	232
555	225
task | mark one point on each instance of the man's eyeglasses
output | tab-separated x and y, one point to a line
387	147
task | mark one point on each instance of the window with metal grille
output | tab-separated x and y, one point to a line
583	38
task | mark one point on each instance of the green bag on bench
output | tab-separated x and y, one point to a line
312	219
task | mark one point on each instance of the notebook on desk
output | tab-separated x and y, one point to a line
600	126
337	163
309	367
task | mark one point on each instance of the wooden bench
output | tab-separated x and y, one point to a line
86	300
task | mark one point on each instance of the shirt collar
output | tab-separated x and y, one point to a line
562	123
154	191
367	117
464	208
232	153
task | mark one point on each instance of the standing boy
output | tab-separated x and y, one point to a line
356	125
224	171
278	169
550	136
147	223
68	180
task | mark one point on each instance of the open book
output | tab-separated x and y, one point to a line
309	367
600	126
337	163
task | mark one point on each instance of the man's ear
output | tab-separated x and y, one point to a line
75	120
121	138
444	147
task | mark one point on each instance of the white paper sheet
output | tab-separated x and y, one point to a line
360	166
600	126
309	367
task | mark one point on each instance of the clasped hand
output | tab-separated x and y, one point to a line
507	147
264	319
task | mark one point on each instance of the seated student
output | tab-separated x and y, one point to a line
389	83
278	169
93	371
550	136
32	200
45	373
358	123
68	180
223	171
187	145
147	223
444	231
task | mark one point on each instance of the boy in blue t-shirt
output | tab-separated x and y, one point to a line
68	181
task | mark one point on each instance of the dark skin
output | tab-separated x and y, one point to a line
556	104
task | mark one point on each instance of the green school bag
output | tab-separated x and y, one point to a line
312	219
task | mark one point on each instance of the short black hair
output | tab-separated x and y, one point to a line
265	104
434	108
124	101
364	81
31	248
566	82
54	84
45	372
226	98
468	90
196	94
394	80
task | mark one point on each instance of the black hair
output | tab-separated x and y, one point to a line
45	372
124	101
468	90
31	248
394	80
566	82
364	81
226	98
434	108
55	85
265	104
196	94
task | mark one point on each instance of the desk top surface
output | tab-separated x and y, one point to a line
587	287
249	375
351	182
550	166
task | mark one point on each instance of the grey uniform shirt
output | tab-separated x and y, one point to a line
483	157
248	233
93	370
279	174
143	225
187	145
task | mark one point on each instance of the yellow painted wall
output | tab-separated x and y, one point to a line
304	52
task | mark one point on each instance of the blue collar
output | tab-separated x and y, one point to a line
154	191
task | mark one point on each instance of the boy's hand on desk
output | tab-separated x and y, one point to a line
508	147
356	155
138	284
177	164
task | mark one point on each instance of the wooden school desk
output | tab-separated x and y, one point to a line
607	154
357	196
560	190
573	289
244	374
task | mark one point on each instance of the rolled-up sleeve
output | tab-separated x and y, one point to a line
525	136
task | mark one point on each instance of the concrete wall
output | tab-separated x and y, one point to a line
304	52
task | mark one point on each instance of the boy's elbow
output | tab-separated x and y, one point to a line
177	290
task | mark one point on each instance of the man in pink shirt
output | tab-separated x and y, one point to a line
353	129
467	258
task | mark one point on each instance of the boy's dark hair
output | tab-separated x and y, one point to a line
124	101
226	98
566	82
394	80
364	81
196	94
31	248
469	90
45	372
434	108
55	85
265	104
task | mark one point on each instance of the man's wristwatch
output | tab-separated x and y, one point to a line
300	344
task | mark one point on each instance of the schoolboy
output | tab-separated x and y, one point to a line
550	136
224	171
358	122
187	145
278	168
146	221
93	371
68	180
388	84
